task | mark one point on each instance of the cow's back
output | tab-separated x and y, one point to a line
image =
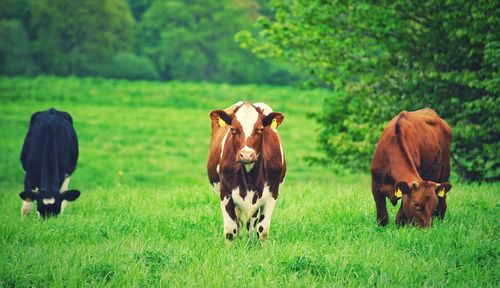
420	139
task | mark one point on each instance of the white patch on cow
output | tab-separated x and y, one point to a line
247	116
217	168
229	224
64	186
247	207
266	109
282	154
48	201
63	205
267	211
26	208
223	143
216	186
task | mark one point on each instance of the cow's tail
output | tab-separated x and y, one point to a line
49	177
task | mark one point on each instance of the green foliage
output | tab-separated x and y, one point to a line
75	37
15	50
159	223
129	66
194	41
384	58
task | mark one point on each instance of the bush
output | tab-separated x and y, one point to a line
15	51
128	66
385	58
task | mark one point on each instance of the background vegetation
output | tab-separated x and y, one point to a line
135	39
382	58
159	224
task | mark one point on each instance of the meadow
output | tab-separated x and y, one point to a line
148	216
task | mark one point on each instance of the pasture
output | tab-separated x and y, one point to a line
148	217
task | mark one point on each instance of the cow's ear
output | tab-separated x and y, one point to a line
442	189
401	188
28	195
221	117
273	119
70	195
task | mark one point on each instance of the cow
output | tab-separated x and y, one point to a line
246	166
49	157
412	162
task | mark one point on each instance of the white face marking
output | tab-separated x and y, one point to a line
48	201
247	116
266	109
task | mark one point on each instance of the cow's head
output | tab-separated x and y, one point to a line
49	206
247	126
420	200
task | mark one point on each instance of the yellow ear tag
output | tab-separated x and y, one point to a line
222	123
441	193
274	124
398	193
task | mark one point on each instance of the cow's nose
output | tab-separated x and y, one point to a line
247	156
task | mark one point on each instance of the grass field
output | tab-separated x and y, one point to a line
160	224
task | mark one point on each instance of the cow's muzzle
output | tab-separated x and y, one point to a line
247	155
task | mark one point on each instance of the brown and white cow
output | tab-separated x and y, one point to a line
246	166
412	162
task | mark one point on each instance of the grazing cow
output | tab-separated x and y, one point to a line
412	162
246	166
49	157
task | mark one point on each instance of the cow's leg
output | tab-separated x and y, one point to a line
265	219
238	217
441	208
382	218
229	217
64	187
252	222
400	217
26	208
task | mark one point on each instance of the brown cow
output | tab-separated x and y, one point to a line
246	165
412	162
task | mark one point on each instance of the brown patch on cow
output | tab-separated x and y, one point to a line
261	218
412	156
261	229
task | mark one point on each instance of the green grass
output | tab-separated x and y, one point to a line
160	223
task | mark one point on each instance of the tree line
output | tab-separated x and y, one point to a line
135	39
384	57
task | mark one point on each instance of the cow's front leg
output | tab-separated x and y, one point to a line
229	217
400	217
265	219
26	208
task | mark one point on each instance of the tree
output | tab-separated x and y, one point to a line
194	40
15	50
382	58
76	37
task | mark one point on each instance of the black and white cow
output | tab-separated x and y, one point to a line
49	157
